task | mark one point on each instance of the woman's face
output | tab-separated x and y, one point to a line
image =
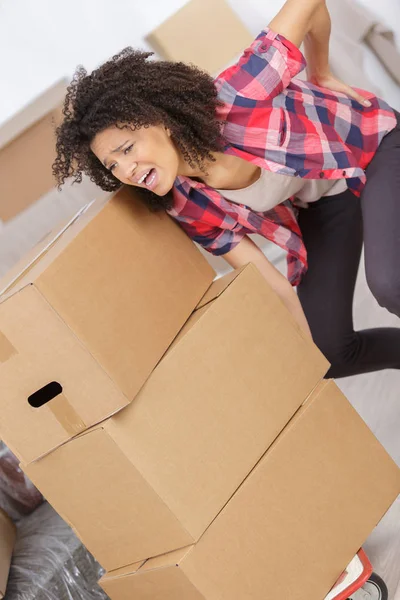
145	157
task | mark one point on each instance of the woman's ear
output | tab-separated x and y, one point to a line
168	131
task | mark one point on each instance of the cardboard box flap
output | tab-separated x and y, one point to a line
98	427
169	583
171	559
8	535
63	475
53	384
122	572
215	290
27	263
326	393
218	286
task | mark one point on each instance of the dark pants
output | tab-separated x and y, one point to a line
334	229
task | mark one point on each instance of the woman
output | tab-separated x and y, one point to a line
312	166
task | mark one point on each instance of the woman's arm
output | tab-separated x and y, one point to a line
308	21
296	19
316	44
247	251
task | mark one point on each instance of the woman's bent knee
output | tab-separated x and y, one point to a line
386	290
339	358
343	355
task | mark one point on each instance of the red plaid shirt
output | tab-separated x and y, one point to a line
287	126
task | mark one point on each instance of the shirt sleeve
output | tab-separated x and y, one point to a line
215	240
263	71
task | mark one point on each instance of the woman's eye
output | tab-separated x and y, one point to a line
128	149
125	151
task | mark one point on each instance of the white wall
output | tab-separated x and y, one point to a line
43	40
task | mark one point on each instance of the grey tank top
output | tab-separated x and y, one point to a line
273	188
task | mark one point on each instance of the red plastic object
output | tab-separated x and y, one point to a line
357	583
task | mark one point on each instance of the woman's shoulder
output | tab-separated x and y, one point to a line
195	200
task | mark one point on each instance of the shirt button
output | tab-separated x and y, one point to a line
322	174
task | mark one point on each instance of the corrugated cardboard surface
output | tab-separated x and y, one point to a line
34	262
220	35
121	281
293	525
218	287
169	462
7	541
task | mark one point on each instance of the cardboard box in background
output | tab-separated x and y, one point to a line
27	151
87	321
219	35
8	534
293	525
154	476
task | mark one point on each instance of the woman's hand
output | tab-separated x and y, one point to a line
330	82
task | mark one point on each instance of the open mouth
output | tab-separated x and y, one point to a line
149	179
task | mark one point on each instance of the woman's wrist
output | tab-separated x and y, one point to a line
317	65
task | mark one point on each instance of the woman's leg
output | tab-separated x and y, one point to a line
380	205
332	231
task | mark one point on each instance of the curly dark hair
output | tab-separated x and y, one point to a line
130	91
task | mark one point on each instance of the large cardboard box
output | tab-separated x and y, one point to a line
85	319
8	534
220	35
293	525
154	476
27	151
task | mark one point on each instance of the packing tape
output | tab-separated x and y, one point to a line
66	415
6	348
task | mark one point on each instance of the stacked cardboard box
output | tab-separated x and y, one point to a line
160	412
87	316
294	523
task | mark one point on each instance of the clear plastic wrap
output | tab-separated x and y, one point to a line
18	495
50	563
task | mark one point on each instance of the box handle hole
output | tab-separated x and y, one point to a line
45	394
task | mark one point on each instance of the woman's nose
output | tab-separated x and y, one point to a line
128	167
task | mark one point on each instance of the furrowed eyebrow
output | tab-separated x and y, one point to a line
116	150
